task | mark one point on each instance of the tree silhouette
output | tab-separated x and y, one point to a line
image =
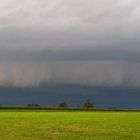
63	104
88	104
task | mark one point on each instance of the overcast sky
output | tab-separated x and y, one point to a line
92	42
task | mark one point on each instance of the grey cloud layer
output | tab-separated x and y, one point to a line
67	25
93	42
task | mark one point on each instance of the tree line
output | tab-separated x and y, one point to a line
64	104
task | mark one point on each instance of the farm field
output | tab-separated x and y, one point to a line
59	125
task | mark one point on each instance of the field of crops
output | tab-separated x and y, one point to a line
61	125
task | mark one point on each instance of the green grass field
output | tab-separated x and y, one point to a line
69	125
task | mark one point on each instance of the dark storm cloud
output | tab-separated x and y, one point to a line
83	42
29	45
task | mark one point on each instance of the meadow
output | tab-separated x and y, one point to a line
69	125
